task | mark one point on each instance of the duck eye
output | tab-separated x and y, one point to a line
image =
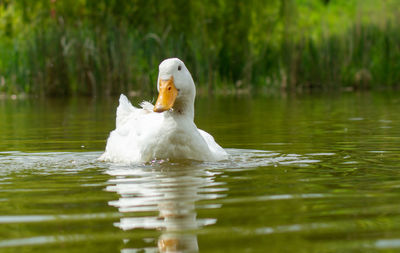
179	67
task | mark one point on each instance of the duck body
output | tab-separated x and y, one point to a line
148	133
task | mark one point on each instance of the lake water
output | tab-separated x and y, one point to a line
312	173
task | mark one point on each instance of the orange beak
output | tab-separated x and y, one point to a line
167	95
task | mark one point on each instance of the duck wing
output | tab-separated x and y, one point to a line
218	152
127	111
134	126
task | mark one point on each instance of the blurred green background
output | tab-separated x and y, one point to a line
105	47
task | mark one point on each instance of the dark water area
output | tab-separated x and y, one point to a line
311	173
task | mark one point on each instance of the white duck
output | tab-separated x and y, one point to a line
163	131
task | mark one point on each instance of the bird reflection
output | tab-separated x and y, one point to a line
168	190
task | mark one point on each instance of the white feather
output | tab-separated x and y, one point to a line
142	135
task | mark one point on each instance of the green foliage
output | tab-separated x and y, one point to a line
88	47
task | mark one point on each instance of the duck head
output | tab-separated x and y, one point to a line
175	87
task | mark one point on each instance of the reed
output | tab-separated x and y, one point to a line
109	56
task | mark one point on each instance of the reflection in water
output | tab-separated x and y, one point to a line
163	195
170	190
329	184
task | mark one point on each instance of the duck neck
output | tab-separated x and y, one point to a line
185	108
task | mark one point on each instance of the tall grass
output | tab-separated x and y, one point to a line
92	60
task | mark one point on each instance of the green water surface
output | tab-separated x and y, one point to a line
310	173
